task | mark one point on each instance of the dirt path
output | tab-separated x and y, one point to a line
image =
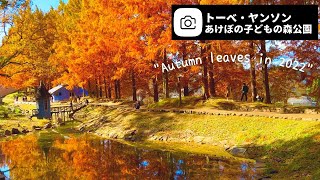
210	111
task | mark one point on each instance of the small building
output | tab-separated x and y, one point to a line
61	93
43	102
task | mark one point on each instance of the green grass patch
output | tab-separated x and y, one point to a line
13	117
28	107
187	102
198	102
292	147
223	104
181	147
22	123
69	128
9	99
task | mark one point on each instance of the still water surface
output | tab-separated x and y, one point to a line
87	157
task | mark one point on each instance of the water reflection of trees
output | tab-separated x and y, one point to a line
88	158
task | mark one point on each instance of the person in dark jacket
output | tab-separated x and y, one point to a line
245	90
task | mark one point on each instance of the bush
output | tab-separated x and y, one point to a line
147	101
4	112
226	105
220	103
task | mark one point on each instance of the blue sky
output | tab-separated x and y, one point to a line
45	5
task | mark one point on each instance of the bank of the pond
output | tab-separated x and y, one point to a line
21	125
288	147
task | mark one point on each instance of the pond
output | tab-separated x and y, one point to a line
88	157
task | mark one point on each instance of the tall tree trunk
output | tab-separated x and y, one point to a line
318	97
211	78
211	81
253	73
165	75
316	85
89	89
83	91
185	88
265	72
155	90
119	89
100	88
96	93
109	91
116	90
185	78
105	87
134	88
206	94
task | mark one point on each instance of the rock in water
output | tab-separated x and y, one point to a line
25	131
236	151
38	128
15	131
7	133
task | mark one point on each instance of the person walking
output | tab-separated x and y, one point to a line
245	90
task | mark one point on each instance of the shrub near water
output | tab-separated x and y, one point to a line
4	112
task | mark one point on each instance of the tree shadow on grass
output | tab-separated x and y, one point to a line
227	105
296	159
146	123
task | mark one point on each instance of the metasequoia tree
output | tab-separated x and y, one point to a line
27	47
110	48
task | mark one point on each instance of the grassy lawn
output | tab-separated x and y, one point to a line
196	102
289	146
9	99
11	116
19	123
217	103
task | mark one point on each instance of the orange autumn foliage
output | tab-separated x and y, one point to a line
100	45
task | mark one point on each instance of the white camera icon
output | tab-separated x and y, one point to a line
187	22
